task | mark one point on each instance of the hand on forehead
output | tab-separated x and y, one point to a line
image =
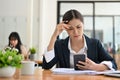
74	22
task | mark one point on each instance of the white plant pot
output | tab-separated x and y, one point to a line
7	71
32	56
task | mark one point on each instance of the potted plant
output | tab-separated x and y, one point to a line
32	53
9	61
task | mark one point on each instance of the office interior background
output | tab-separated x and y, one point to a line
35	21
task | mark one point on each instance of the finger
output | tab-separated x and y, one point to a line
81	67
65	26
88	60
65	22
85	64
81	62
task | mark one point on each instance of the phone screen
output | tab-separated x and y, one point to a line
78	57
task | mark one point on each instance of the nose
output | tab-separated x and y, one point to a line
12	41
75	31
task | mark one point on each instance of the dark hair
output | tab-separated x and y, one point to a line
71	14
15	36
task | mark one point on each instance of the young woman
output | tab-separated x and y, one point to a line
61	52
15	42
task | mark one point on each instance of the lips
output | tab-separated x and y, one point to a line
76	35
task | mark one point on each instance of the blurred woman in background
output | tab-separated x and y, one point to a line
15	43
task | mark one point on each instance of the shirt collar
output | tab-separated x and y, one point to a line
72	51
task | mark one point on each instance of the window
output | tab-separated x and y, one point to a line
101	19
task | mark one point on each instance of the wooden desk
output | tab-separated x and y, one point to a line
48	75
38	62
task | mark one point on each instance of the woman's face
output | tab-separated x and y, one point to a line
75	30
13	42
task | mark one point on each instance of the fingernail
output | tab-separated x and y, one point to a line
66	22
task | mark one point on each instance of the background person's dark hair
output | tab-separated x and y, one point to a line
15	36
71	14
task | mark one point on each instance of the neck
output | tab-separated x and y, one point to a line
76	45
77	41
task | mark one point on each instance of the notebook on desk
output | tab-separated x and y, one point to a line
72	71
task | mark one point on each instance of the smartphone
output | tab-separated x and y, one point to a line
78	57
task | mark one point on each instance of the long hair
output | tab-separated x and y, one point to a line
15	36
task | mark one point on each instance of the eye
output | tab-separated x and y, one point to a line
78	27
70	28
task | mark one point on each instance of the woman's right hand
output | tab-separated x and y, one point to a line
59	28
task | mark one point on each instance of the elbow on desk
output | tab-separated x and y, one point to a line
48	65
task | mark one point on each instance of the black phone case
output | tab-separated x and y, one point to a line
78	57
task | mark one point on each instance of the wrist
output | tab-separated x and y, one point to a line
100	67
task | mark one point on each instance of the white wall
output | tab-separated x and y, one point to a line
48	13
13	17
88	0
33	19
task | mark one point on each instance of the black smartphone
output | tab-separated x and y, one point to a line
78	57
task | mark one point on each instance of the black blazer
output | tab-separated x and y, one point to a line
95	52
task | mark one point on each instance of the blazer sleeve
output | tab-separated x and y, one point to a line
50	64
104	56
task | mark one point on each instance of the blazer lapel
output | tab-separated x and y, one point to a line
66	53
90	48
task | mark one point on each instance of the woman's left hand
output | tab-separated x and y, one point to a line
90	65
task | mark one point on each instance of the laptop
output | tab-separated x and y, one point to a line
113	74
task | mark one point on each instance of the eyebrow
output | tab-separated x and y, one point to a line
75	26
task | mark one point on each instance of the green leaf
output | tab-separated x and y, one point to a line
10	58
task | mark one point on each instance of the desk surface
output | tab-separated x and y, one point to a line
48	75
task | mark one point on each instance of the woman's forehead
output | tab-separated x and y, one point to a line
13	38
75	22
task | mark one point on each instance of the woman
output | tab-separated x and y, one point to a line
62	51
15	42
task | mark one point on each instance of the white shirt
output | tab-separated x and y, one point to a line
72	52
49	55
